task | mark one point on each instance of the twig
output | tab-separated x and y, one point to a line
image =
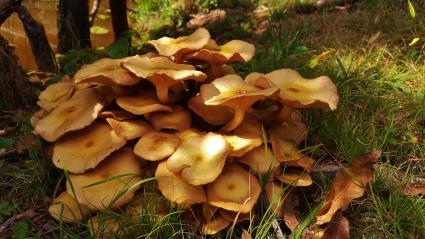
7	130
30	213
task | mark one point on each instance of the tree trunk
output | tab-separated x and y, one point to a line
73	24
16	92
7	7
119	17
41	50
93	11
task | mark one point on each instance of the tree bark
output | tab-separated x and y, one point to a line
16	92
73	24
41	50
93	11
7	7
119	17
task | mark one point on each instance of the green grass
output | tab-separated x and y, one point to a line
382	96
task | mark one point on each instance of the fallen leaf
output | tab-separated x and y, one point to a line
349	183
290	212
245	234
338	228
413	189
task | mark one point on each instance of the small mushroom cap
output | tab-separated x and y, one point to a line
179	119
227	70
36	117
214	226
212	114
258	80
55	94
292	129
305	163
188	133
234	216
129	129
116	114
106	71
250	125
176	189
232	91
85	149
65	208
242	143
283	149
275	196
141	104
296	177
76	113
234	190
208	211
162	72
167	46
260	160
115	180
234	50
155	145
200	159
297	91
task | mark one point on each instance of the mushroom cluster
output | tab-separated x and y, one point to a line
207	133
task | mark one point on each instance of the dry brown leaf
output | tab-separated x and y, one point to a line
338	228
414	189
348	184
245	234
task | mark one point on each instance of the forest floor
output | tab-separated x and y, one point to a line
366	49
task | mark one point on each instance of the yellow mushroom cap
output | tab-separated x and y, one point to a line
234	216
260	160
167	46
258	80
85	149
115	180
208	211
140	104
212	114
215	225
284	150
188	133
297	91
129	129
242	143
179	119
65	208
250	125
176	189
296	177
37	116
106	71
155	145
275	196
55	94
116	114
233	92
234	190
75	113
235	50
162	72
200	159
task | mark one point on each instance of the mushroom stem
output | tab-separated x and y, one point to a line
162	93
215	71
235	122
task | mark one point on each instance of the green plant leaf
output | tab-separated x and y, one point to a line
6	142
119	48
102	16
411	9
98	30
414	41
20	229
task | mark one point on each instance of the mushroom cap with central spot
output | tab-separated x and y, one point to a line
111	184
200	159
234	190
242	143
295	176
167	46
260	160
114	181
73	114
179	119
176	189
85	149
129	129
106	71
155	145
140	104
